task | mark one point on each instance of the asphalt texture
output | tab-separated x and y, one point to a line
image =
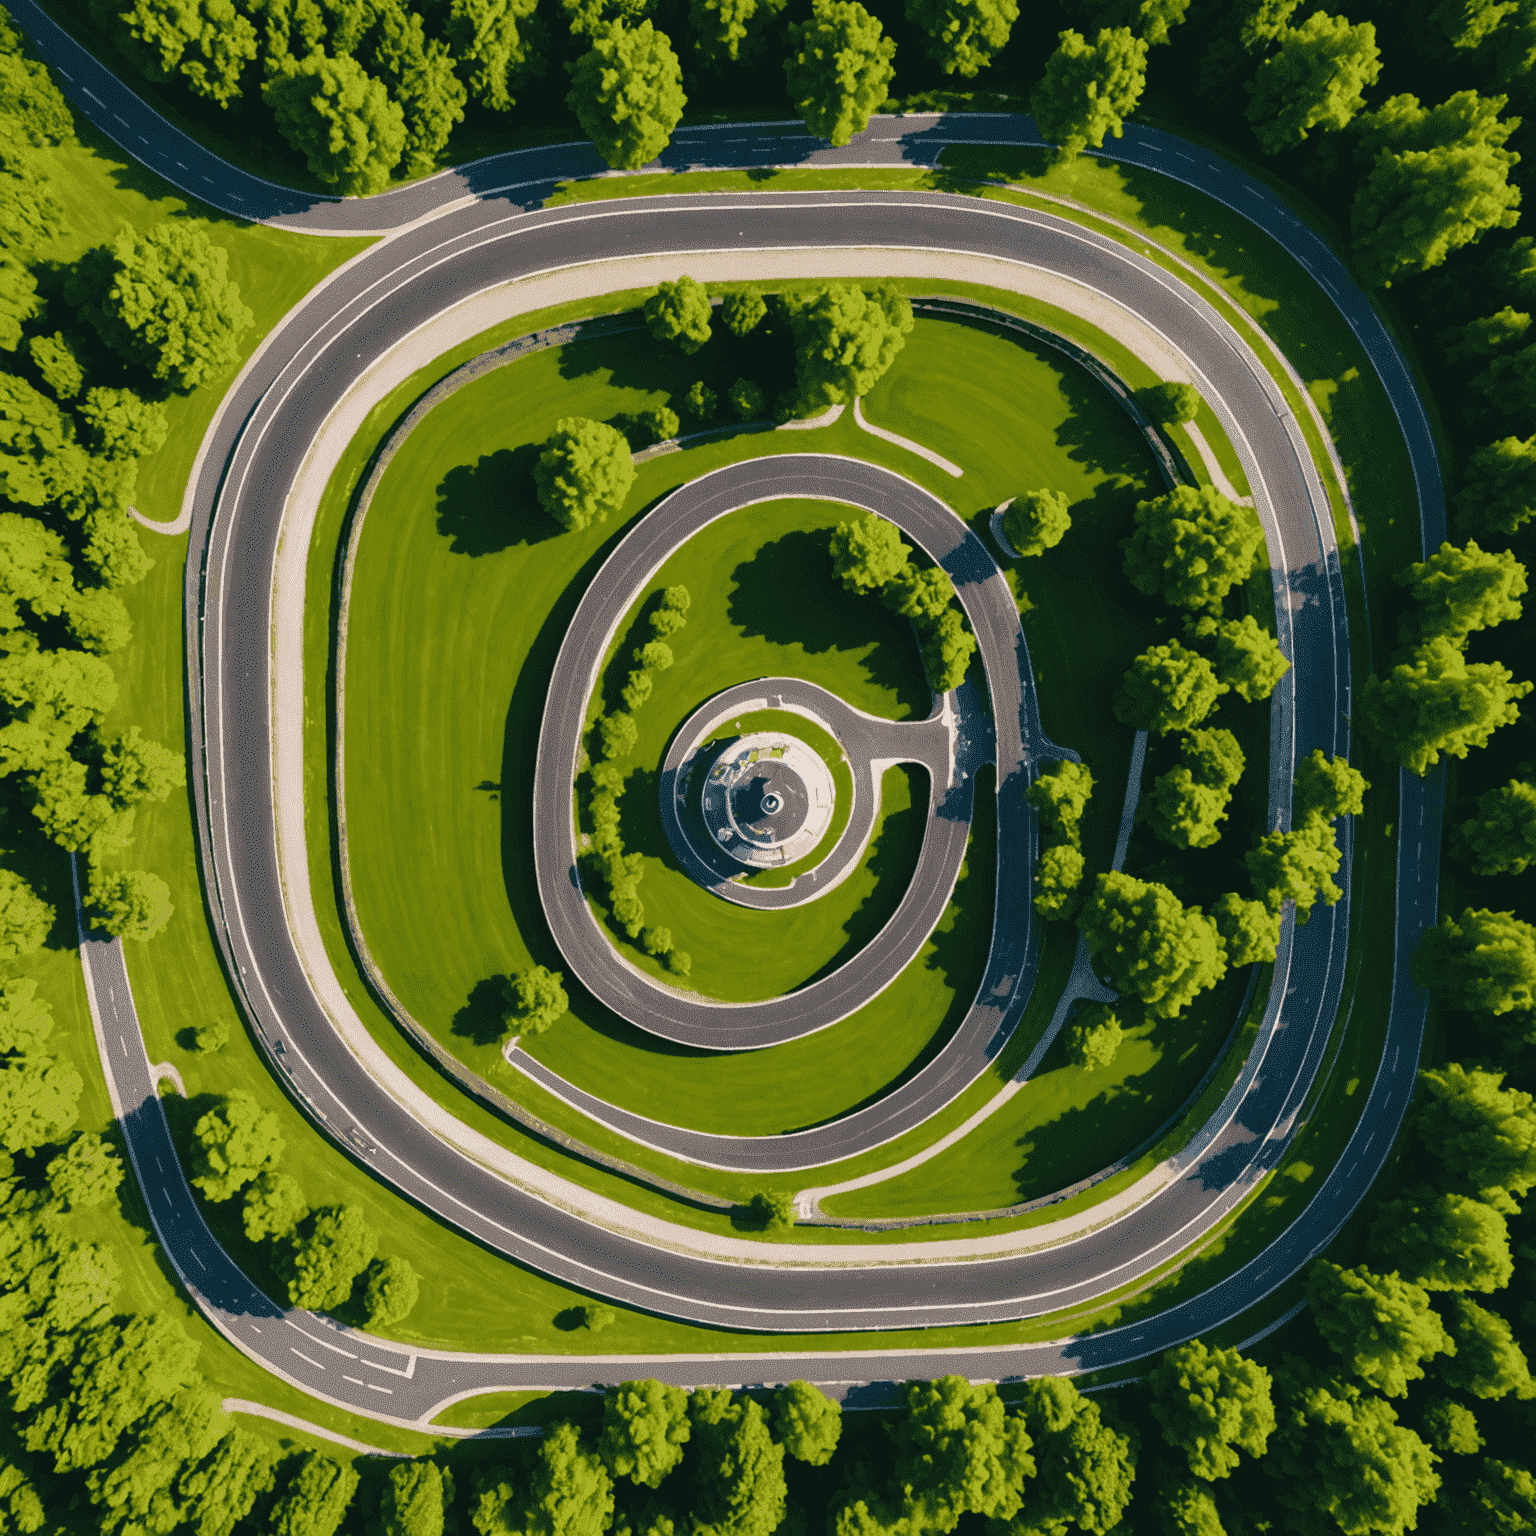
251	461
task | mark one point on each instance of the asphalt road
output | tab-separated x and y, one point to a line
423	270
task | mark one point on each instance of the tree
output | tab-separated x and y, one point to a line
747	399
1498	487
1192	546
1167	688
1501	838
867	553
1434	702
807	1423
34	569
1500	1499
57	365
1061	794
132	904
1443	1241
98	620
1485	336
1440	180
1186	1508
392	1290
31	103
1457	591
273	1206
222	1490
838	70
627	94
1037	521
1480	962
659	423
419	72
1089	89
38	1099
30	215
74	819
1086	1465
1296	866
414	1499
1249	929
771	1211
1327	787
340	118
645	1427
1189	800
569	1493
963	35
1212	1403
618	733
135	769
1149	944
19	302
584	472
1380	1326
701	402
845	339
1317	79
1248	659
1482	1135
1508	384
62	689
1340	1453
1451	1428
85	1174
39	458
1169	405
25	919
535	1000
1093	1039
1487	1362
142	1491
121	424
316	1498
168	303
26	1020
323	1257
206	42
231	1144
947	650
731	31
1056	881
743	311
679	313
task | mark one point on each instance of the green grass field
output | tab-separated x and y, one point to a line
461	595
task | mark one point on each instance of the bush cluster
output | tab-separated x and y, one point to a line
1060	796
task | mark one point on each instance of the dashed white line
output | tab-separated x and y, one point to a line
387	1391
302	1356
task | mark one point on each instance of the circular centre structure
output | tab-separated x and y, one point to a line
767	799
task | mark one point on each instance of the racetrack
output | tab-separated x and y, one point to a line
256	451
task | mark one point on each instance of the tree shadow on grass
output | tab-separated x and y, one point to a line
490	505
787	595
483	1018
1097	433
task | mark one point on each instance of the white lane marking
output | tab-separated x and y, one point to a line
356	1382
387	1391
335	1349
394	1370
302	1356
196	1255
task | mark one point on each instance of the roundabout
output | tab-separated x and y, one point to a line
267	459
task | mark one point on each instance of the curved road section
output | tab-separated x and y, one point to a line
349	320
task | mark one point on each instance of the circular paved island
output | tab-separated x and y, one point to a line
767	799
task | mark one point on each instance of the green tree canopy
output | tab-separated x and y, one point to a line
19	302
1149	945
1192	546
1187	1508
1501	838
340	118
1440	180
1498	487
1089	89
315	1499
25	918
98	620
679	313
1296	866
1037	521
1481	962
207	43
493	47
86	1173
645	1427
135	769
568	1494
1482	1134
1487	1362
57	365
1327	787
1381	1327
743	310
132	904
747	399
845	339
627	94
1167	688
1442	1241
739	1490
414	1499
273	1206
1061	794
1485	336
141	1491
164	299
222	1490
731	31
34	569
32	104
390	1292
1500	1499
1086	1464
419	73
231	1144
1056	880
1339	1454
535	1000
1169	405
807	1423
323	1257
1093	1038
1249	659
1451	1428
1435	701
26	1020
839	68
1508	384
39	458
1456	591
867	553
584	472
1211	1404
1317	79
1249	929
963	35
1188	802
39	1100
